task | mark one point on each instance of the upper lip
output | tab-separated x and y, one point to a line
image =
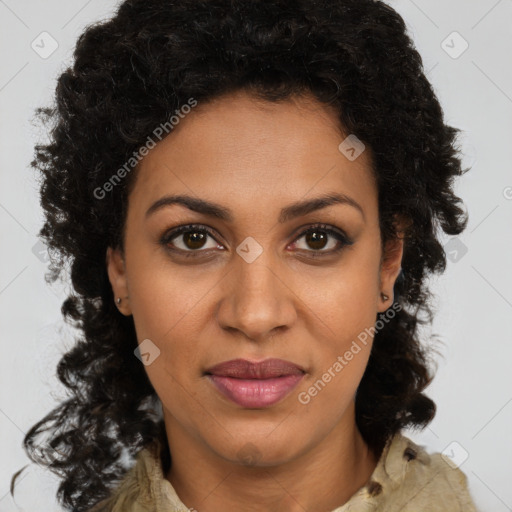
244	369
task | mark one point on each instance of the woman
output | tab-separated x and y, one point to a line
248	195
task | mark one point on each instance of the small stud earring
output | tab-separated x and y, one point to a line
384	296
118	300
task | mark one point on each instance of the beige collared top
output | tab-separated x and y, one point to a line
406	479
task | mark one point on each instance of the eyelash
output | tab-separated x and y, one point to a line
338	235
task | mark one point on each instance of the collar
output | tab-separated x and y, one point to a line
146	485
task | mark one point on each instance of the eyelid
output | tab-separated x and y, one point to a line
311	226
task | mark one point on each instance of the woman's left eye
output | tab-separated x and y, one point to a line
318	237
192	238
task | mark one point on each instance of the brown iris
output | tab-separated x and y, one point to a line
194	239
316	239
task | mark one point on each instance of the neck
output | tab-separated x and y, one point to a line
319	480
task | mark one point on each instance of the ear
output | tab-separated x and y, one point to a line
391	264
117	276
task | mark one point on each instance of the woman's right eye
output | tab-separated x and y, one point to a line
189	239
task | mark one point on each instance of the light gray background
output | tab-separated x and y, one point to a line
473	386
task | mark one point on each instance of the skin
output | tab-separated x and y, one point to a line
256	157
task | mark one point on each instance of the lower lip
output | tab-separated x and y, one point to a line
255	393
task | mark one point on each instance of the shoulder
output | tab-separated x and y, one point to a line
135	492
409	479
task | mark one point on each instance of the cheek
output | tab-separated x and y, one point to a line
175	374
345	312
345	304
170	313
165	301
331	389
174	326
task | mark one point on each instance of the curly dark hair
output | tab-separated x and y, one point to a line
129	74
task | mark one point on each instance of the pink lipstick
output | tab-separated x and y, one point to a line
255	385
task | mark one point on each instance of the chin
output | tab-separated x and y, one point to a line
259	451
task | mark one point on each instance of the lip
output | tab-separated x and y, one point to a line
255	384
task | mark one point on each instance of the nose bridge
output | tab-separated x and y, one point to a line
257	301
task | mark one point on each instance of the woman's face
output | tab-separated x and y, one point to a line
255	286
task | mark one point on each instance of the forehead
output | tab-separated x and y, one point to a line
242	151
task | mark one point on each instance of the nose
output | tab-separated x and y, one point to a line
257	301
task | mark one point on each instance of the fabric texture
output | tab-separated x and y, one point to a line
406	479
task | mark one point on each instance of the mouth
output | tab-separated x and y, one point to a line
255	385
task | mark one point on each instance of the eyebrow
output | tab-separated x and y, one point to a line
288	213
